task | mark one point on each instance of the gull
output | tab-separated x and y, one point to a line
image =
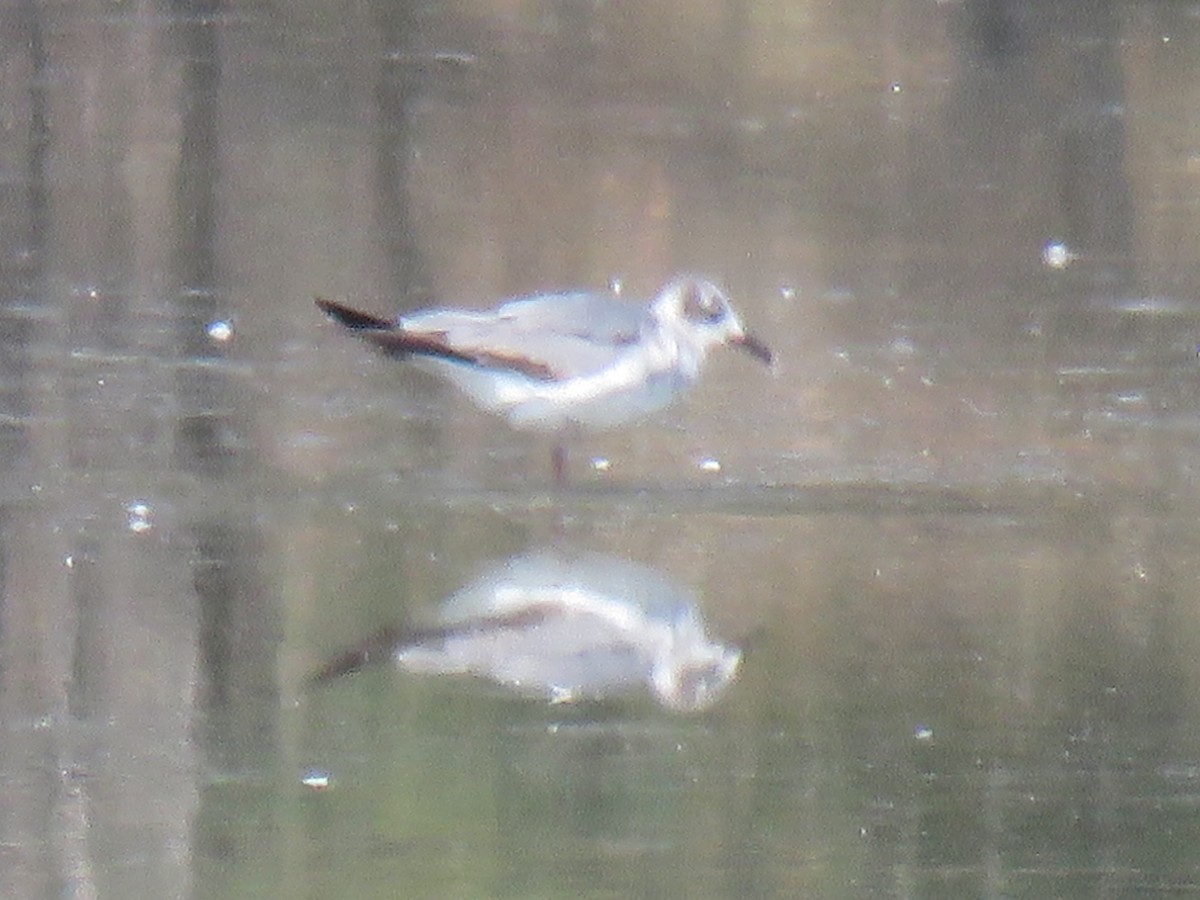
560	362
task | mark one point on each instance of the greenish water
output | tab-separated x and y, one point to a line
953	532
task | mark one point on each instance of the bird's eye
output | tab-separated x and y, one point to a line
704	306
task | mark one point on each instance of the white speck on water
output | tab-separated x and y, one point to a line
1151	306
709	464
221	330
923	733
616	285
978	410
601	463
69	561
559	695
839	296
787	292
139	516
894	87
1057	255
316	779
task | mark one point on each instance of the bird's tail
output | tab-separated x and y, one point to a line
391	337
354	319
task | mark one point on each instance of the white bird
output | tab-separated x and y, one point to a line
550	362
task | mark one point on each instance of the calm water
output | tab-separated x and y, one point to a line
954	534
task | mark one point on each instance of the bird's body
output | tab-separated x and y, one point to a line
553	361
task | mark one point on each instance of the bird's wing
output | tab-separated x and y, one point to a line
392	338
552	336
547	337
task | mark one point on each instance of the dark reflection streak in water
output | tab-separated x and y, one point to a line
1107	683
523	138
34	864
1048	128
237	616
198	174
204	428
397	87
994	31
87	604
39	142
24	211
237	620
1096	195
239	630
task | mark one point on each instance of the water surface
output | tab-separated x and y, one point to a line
953	534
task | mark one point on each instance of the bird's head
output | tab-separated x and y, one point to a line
700	314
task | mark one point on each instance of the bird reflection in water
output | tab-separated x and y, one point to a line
565	629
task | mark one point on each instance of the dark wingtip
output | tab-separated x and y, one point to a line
353	318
